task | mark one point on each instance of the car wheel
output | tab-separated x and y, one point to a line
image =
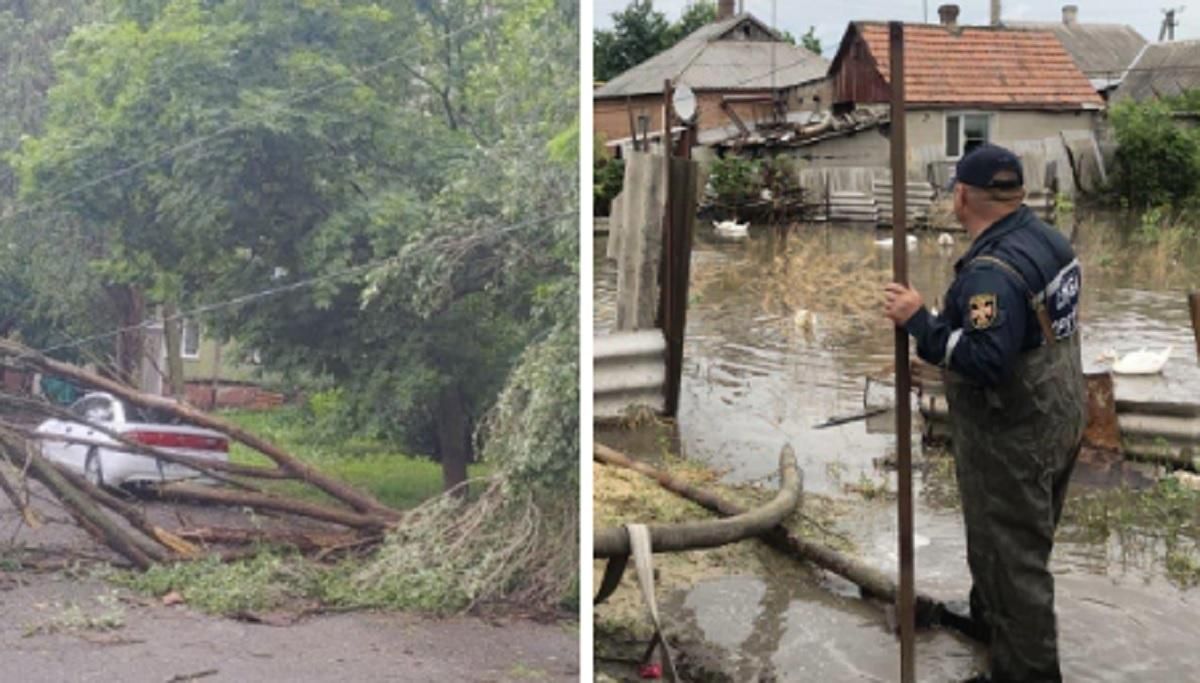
93	470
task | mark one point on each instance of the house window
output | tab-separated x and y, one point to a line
965	132
191	339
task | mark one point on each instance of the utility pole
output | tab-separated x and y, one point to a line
899	158
1169	23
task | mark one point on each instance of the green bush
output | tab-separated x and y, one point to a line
735	180
1157	161
779	175
607	183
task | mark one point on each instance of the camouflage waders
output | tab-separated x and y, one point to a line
1014	448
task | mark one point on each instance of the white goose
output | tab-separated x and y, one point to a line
910	242
732	228
1140	362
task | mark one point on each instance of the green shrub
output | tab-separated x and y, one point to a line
735	180
607	182
1157	161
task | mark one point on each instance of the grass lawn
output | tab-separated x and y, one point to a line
397	479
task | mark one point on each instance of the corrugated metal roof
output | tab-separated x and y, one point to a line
704	60
1101	51
1161	70
986	66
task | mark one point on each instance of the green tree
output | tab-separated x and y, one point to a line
38	301
404	139
1157	160
809	41
694	16
639	32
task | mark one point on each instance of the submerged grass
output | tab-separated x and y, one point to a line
396	478
1161	523
812	292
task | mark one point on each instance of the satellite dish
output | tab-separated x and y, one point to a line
684	103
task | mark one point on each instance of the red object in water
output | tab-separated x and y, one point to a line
651	671
196	442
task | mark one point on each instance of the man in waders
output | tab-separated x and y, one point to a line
1009	346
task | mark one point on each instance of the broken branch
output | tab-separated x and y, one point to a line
360	501
265	501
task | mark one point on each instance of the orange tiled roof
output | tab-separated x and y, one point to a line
984	66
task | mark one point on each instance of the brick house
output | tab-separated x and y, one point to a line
736	62
966	85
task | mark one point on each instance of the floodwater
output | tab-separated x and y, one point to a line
782	334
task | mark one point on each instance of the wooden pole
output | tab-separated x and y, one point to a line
632	126
216	372
669	271
1194	305
905	608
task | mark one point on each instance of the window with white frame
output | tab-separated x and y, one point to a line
965	132
191	339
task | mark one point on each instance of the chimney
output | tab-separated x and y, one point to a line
995	12
948	14
1070	14
724	9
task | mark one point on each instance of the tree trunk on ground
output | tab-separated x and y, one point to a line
359	500
83	508
135	518
453	438
265	501
173	337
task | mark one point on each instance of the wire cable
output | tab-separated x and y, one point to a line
290	287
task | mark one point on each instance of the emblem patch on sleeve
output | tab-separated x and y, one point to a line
983	311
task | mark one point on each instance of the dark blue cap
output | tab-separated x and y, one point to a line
980	166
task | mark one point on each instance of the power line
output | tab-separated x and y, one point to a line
225	130
290	287
1146	69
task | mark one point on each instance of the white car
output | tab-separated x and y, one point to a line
111	465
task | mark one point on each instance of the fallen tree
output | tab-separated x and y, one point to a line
870	581
359	500
124	527
514	539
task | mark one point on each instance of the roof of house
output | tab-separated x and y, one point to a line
711	58
1161	69
1101	51
980	66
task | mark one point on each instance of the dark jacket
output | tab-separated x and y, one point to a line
989	317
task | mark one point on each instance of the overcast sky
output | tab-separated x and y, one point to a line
830	19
